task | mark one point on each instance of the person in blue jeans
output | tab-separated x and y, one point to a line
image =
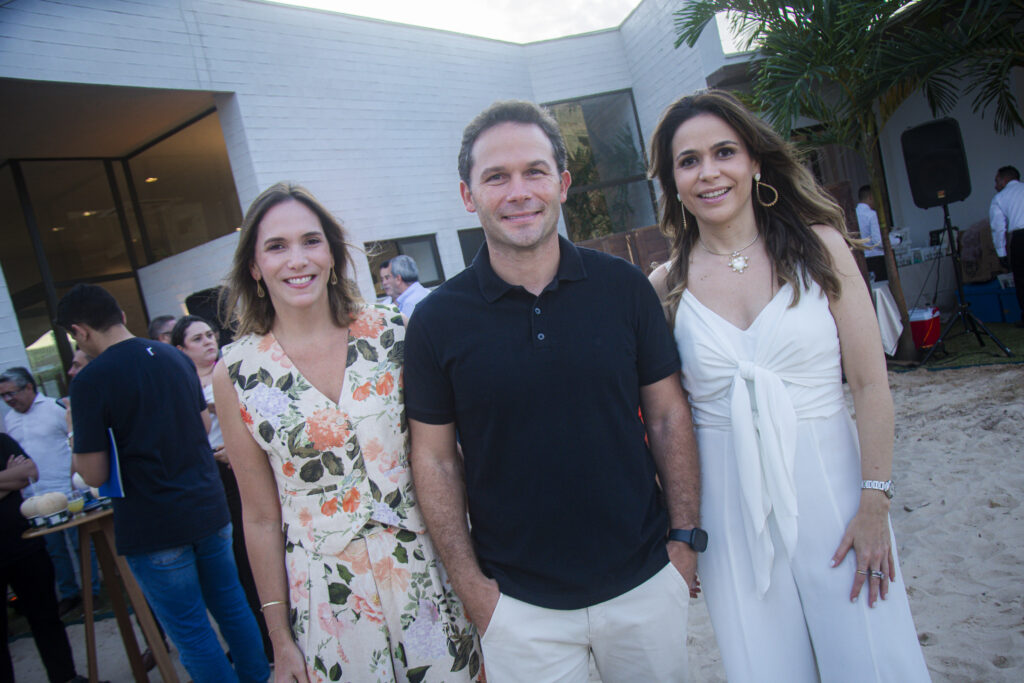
140	418
181	583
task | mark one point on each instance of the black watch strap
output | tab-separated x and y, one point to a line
696	538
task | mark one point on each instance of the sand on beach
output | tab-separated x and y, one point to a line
959	472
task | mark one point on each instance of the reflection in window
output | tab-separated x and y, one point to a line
471	240
78	223
185	188
610	192
422	249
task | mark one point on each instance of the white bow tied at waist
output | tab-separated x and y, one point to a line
765	442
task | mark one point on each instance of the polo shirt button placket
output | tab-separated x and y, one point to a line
539	335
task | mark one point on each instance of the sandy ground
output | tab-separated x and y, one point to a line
959	469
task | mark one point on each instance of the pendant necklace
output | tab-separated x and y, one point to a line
737	261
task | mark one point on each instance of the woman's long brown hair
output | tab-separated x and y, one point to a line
796	252
252	314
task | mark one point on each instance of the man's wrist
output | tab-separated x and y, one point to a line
694	537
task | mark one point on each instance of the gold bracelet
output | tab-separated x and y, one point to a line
272	602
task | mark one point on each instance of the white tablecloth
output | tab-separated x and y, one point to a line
888	316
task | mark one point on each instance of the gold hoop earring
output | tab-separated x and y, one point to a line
682	210
334	278
259	290
757	190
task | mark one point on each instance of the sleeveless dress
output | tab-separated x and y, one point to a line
780	477
369	600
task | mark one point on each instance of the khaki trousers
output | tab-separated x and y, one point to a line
637	636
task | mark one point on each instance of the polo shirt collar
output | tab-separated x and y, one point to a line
492	287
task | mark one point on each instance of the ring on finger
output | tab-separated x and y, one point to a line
877	574
865	572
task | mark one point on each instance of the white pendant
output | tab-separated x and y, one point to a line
738	262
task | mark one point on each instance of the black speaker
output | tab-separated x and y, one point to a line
936	163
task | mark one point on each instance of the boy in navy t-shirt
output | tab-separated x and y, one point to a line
143	398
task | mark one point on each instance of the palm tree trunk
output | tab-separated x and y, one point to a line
905	349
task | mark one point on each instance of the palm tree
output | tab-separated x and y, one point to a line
849	64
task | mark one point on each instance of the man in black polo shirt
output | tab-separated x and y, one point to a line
539	356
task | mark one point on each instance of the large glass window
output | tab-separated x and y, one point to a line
98	220
610	192
78	223
185	189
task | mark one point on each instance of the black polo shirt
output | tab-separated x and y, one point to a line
544	392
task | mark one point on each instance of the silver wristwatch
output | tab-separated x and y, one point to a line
885	487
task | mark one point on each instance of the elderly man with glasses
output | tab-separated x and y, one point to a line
39	424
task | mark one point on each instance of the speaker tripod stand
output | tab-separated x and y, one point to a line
963	313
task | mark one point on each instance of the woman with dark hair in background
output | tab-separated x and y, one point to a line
197	338
311	405
768	309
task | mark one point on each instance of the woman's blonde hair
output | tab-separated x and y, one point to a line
248	313
796	251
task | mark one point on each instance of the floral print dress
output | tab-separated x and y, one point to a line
369	599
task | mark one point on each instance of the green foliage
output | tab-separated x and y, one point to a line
850	64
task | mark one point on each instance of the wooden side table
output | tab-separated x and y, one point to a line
98	526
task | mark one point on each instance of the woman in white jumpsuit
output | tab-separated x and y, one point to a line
766	302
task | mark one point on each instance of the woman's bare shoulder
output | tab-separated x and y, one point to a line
659	279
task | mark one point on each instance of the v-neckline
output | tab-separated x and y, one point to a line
344	373
731	324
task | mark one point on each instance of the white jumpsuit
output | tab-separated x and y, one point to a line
780	475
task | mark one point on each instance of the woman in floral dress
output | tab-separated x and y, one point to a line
349	582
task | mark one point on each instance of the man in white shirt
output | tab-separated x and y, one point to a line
1006	218
405	287
39	425
867	222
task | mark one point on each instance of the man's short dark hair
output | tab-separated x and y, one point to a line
1009	173
384	264
157	324
88	305
864	192
405	267
510	111
19	376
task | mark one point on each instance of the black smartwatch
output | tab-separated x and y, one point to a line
696	538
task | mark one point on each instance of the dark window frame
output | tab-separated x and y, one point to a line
376	252
625	180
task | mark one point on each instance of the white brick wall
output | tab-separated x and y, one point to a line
367	114
660	72
578	65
